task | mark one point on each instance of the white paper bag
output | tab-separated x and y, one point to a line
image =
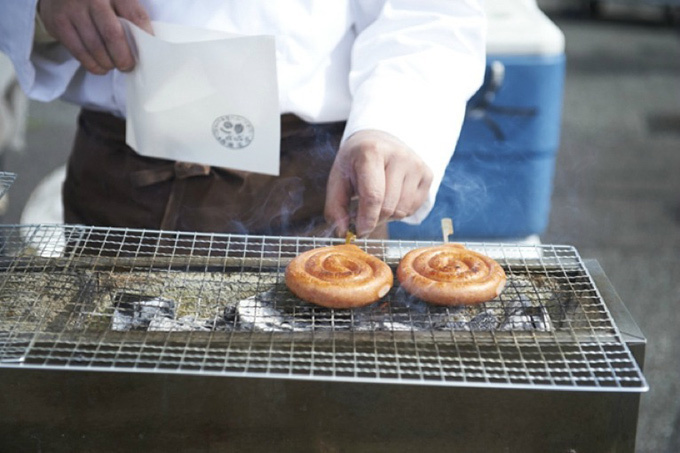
204	96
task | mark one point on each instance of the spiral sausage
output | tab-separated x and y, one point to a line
341	276
450	274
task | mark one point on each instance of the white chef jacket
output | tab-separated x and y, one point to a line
406	67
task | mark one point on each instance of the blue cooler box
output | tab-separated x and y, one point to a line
499	182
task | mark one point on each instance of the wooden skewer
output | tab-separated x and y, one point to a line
353	209
447	229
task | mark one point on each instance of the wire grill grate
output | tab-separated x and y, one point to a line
6	181
137	300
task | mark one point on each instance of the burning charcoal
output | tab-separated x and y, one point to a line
198	294
404	320
319	318
484	321
454	318
133	312
409	313
515	314
220	323
381	316
522	314
404	299
396	326
228	316
366	319
257	312
540	320
185	323
122	319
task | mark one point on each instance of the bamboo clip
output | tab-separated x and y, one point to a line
447	229
352	231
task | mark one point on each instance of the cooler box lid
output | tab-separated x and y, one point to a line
519	27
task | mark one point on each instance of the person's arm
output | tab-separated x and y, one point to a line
17	29
415	63
46	67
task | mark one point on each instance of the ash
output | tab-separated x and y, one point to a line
158	314
275	309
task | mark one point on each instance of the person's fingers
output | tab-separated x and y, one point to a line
338	193
133	11
93	29
387	179
413	194
60	20
77	41
112	30
417	185
369	169
408	181
112	36
396	174
92	32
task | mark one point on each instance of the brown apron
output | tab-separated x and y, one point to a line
109	184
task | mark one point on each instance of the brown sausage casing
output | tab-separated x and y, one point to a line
341	276
450	274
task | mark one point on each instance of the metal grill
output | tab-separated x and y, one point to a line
137	300
6	181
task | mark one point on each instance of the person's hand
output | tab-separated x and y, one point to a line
390	181
91	31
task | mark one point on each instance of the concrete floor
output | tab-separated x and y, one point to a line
617	189
617	185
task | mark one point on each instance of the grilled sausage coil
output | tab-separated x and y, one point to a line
341	276
450	274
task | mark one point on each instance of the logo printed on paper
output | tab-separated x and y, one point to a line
233	131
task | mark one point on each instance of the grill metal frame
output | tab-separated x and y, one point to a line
583	349
6	181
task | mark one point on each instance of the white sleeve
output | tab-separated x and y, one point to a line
44	72
415	63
